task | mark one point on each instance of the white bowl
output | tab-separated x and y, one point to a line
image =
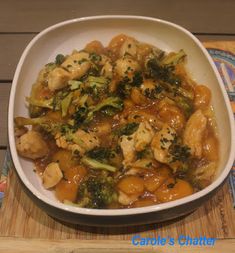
74	34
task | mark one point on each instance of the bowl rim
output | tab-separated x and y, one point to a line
116	212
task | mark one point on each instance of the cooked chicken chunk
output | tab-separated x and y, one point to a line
129	47
31	145
127	144
107	70
77	64
80	141
161	142
125	199
126	67
57	79
51	175
193	134
136	142
87	140
143	136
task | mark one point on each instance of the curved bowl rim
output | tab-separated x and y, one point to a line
115	212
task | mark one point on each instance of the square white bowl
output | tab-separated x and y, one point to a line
75	34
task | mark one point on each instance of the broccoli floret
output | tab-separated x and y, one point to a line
74	84
180	153
35	111
174	58
96	86
153	93
163	72
137	79
53	103
95	164
185	104
101	154
45	103
65	103
80	115
127	129
59	59
21	121
115	103
96	192
45	123
97	81
124	87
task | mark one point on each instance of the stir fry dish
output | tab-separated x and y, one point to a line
121	126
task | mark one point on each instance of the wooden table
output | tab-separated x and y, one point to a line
21	20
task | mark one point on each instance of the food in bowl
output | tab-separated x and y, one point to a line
120	126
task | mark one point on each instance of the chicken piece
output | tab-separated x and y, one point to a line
62	142
31	145
129	47
57	79
127	145
194	131
107	70
125	199
161	143
18	131
88	140
77	64
103	59
204	174
126	67
51	175
136	142
94	47
143	136
80	141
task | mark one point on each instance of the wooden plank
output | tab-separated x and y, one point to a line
12	245
213	219
2	157
208	37
11	48
4	97
198	16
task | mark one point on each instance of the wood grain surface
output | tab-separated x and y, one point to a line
202	16
10	244
2	157
4	97
22	218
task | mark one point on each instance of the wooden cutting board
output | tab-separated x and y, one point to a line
21	220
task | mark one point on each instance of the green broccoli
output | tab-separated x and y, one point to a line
174	59
74	84
21	121
95	164
125	86
59	59
45	103
127	129
65	103
97	192
162	72
101	154
45	123
111	102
